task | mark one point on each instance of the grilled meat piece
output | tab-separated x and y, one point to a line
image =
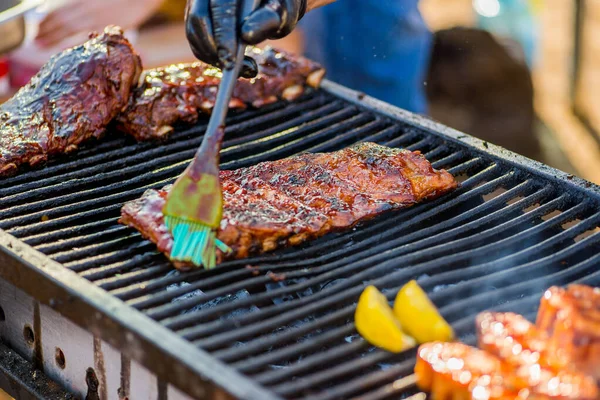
512	338
316	187
289	201
71	99
523	348
456	371
571	318
450	371
178	92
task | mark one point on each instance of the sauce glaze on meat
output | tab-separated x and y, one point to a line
71	99
176	93
450	371
289	201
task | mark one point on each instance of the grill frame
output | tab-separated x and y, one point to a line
172	358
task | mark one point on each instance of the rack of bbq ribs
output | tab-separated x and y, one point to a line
80	91
558	357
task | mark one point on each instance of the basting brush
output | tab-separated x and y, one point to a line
194	206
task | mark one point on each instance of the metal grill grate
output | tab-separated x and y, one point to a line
286	320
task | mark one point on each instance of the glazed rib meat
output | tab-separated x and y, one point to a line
175	94
289	201
452	371
571	319
512	338
71	99
522	347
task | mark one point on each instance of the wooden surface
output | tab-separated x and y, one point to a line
552	80
588	86
552	74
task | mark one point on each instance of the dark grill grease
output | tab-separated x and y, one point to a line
71	99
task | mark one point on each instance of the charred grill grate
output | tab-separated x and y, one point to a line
286	320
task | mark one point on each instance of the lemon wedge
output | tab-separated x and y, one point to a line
418	315
375	321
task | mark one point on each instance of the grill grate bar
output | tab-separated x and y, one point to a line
132	177
269	341
142	303
139	291
340	370
332	356
69	244
362	132
538	284
98	154
312	345
462	287
454	157
37	228
339	329
488	301
106	247
499	295
135	276
374	273
298	145
393	390
107	273
66	233
137	247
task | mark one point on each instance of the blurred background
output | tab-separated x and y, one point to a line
562	41
523	74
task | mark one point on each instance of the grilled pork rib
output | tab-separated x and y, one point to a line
286	202
457	371
71	99
523	347
571	319
178	92
512	338
451	371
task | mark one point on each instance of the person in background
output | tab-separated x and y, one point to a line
160	38
381	48
158	26
83	16
378	47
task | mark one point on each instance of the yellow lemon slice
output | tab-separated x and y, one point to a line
419	316
375	321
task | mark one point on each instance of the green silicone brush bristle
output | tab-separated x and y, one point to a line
194	242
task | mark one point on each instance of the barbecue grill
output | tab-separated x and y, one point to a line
279	325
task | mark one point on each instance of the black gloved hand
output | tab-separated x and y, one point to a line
214	27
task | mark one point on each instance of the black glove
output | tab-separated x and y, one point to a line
214	27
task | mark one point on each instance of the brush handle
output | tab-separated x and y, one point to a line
207	156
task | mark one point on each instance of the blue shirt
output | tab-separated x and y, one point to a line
379	47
